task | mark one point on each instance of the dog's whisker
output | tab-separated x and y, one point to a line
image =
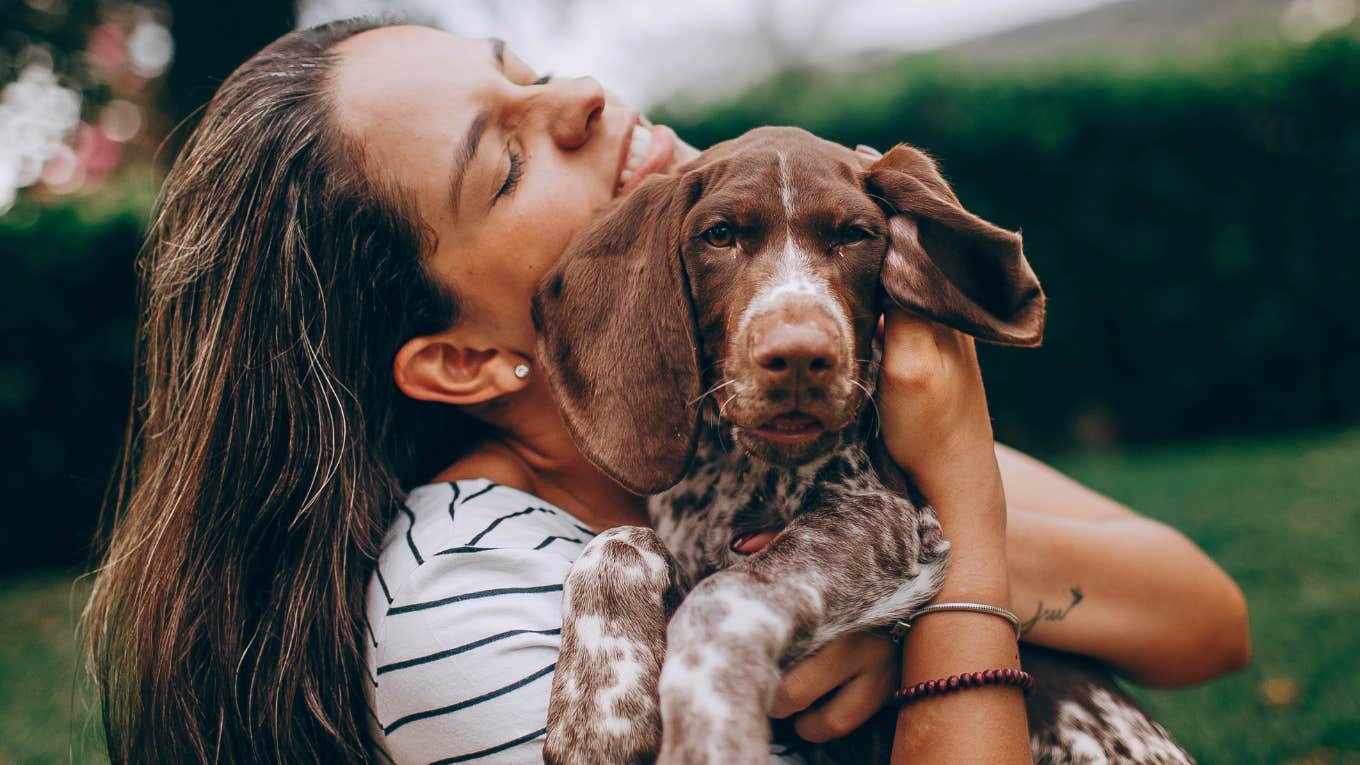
722	408
711	391
878	416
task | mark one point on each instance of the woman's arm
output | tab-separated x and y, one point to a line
936	427
1091	576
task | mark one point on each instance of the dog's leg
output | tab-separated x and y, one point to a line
831	572
615	604
1079	714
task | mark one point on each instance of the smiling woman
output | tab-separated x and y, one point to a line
350	501
497	160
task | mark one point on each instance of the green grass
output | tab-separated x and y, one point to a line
1281	515
47	713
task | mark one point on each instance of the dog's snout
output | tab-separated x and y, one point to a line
802	351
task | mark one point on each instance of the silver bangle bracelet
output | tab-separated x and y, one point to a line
900	629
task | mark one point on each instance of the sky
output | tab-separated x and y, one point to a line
648	51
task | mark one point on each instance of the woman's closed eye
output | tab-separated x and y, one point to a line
516	158
512	177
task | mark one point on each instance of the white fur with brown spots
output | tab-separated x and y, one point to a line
728	368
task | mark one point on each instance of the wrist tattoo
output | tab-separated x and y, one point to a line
1052	614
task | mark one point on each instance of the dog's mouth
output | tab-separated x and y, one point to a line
792	438
791	429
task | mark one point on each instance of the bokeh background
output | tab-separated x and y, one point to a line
1186	173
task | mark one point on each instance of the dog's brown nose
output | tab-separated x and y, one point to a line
799	352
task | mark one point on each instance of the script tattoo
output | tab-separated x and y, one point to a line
1052	614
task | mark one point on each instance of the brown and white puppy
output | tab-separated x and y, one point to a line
769	247
711	337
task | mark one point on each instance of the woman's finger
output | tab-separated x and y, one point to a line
849	708
855	655
813	678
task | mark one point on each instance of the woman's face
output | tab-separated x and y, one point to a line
503	164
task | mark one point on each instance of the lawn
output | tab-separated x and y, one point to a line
1282	515
46	714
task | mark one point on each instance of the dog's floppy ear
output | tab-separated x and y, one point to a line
617	339
947	264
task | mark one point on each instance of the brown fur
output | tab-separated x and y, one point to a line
673	345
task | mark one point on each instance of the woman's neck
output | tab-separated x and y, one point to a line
535	454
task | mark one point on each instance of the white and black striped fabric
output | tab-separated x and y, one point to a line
465	612
465	620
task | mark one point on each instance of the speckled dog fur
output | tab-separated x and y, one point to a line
651	333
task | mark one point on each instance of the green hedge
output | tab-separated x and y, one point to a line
1195	228
66	312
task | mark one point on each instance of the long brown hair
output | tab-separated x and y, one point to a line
268	444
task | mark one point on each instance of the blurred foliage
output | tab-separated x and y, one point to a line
66	311
1194	227
213	39
67	248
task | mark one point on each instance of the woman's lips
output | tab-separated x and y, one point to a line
658	155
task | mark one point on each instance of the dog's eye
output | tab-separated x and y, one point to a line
852	234
719	236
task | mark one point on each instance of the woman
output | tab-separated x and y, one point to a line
336	309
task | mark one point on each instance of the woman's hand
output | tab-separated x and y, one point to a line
862	670
931	399
936	427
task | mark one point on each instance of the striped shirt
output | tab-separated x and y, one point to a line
465	621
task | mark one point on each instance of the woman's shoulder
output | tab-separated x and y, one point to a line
476	526
479	514
465	620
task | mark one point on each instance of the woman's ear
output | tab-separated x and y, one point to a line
443	367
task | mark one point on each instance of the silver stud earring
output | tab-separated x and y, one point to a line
522	371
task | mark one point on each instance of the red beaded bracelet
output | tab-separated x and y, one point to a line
1014	677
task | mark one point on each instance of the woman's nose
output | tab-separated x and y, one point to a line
579	101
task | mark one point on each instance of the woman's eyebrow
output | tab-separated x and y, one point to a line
498	52
463	154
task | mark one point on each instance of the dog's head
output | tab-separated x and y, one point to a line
756	274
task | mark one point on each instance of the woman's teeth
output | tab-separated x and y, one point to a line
638	146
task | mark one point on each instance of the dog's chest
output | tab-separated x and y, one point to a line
728	493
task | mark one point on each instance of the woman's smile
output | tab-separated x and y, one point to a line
649	149
504	165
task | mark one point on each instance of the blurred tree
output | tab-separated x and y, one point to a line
211	40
